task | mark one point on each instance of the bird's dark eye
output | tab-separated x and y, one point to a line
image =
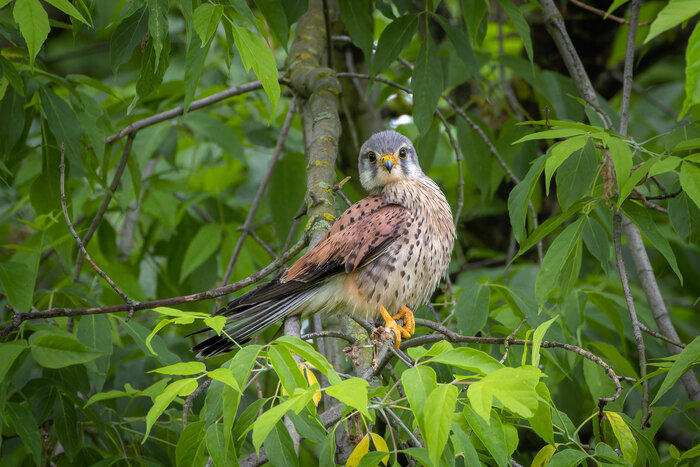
372	157
402	153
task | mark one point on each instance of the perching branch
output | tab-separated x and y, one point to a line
19	318
604	14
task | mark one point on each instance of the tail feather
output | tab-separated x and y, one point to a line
251	319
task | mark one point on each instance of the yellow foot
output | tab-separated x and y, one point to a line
406	330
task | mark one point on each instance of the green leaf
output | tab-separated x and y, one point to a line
10	72
276	18
26	427
66	7
190	445
33	24
256	54
287	189
222	452
267	421
17	281
242	8
426	84
555	260
690	181
206	19
472	308
513	387
622	159
217	323
327	456
9	351
59	349
182	369
672	14
225	375
642	219
286	368
63	123
462	46
624	436
66	424
560	152
692	72
575	175
357	18
139	334
541	421
596	240
418	382
685	360
205	242
194	64
103	396
549	226
440	404
636	177
537	338
127	36
308	353
395	38
685	217
567	458
181	387
490	433
468	359
279	447
351	392
158	26
664	165
152	70
520	24
552	134
214	130
519	197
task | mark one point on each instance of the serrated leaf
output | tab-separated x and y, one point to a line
356	17
33	24
575	175
127	36
182	387
276	18
664	165
66	7
520	24
205	242
205	20
182	369
426	84
63	123
395	38
256	54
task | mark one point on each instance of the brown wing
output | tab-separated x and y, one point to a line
366	232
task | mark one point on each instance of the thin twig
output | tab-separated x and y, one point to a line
509	338
119	171
97	269
414	441
629	66
658	335
18	318
191	397
261	190
641	350
196	105
607	16
460	169
323	334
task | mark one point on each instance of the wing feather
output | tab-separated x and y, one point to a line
364	234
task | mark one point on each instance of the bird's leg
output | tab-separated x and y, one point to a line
390	323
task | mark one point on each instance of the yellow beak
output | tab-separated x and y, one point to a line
388	161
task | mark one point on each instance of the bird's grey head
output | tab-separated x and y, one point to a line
387	157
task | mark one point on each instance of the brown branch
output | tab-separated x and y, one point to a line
641	350
81	246
18	318
612	17
247	224
323	334
658	335
196	105
121	165
510	337
191	397
447	334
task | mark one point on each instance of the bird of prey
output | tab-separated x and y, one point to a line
385	252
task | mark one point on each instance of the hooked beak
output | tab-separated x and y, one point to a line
388	161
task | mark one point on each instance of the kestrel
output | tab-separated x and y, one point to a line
385	252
